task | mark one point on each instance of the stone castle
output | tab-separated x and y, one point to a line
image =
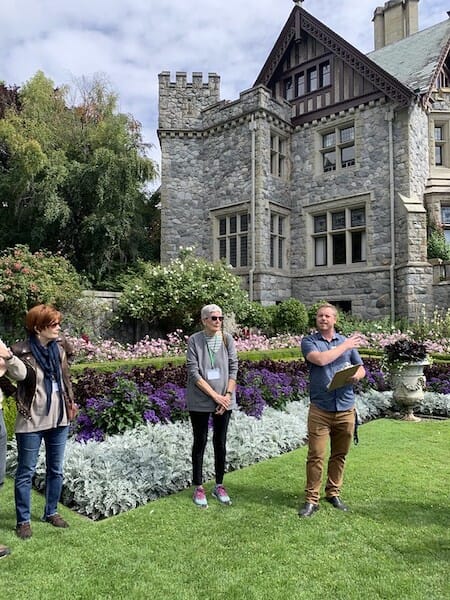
323	179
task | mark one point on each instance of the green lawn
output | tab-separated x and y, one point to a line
393	545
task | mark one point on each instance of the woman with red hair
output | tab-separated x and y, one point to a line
45	404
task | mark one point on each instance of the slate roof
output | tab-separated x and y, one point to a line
416	59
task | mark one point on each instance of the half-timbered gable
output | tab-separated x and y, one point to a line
320	73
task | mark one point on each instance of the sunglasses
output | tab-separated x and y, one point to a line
55	324
214	318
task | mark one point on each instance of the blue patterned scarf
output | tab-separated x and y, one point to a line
48	358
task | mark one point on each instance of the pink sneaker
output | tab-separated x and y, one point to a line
199	497
220	493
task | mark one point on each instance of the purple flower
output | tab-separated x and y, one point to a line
151	417
250	400
87	434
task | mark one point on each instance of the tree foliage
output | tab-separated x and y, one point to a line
259	317
171	296
8	97
74	176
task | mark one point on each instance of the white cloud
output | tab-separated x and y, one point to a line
132	41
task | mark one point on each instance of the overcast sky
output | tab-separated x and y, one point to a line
131	41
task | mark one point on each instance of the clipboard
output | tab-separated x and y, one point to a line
340	377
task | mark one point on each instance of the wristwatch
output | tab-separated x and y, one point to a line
11	355
229	393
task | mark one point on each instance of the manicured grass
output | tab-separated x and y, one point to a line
393	545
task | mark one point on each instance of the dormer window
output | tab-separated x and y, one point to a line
300	84
324	74
307	80
312	79
288	89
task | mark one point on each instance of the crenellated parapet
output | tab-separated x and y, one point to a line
257	102
181	101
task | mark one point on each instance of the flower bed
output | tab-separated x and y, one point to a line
175	345
115	402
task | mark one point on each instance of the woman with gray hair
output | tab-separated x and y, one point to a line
212	366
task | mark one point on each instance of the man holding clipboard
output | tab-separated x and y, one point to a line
334	366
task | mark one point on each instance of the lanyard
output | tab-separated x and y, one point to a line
212	356
212	353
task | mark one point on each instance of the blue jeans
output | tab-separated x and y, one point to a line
28	445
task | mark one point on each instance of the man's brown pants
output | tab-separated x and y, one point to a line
324	425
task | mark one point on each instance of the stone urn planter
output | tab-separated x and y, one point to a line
408	386
406	360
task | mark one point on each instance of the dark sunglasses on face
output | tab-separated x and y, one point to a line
55	324
214	318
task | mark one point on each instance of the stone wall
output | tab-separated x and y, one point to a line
441	294
100	315
368	292
365	285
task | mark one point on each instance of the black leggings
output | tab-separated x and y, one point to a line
200	422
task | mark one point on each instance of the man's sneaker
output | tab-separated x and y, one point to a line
220	493
199	497
4	551
57	521
23	531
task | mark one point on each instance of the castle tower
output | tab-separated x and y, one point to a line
181	102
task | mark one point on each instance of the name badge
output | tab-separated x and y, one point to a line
212	374
55	387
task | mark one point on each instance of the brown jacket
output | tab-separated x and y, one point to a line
26	389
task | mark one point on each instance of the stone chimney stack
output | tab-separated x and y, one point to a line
394	21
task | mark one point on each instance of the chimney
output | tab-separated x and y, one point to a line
394	21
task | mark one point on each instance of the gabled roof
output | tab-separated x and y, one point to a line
299	20
417	59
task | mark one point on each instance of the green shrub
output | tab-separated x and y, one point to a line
347	324
259	317
170	297
27	279
9	415
437	245
291	316
123	410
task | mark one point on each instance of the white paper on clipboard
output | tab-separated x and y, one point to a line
341	377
